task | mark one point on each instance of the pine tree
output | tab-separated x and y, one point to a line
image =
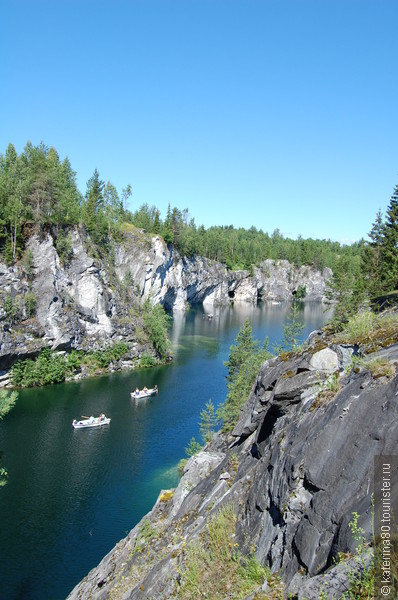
372	257
167	232
345	288
14	187
93	208
208	422
112	208
389	270
293	328
245	358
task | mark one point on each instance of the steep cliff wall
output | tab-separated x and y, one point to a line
298	464
158	271
89	302
177	281
79	305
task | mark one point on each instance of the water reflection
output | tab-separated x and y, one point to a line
195	331
72	494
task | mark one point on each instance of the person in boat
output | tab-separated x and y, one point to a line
102	417
91	419
155	387
145	389
74	422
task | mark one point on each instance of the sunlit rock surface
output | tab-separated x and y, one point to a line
86	303
297	466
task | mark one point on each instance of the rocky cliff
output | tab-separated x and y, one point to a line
178	282
297	466
88	302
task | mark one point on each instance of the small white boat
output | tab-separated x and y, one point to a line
91	422
144	393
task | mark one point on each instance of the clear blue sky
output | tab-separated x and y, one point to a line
274	113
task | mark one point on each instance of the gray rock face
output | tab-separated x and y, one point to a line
160	272
279	281
81	304
76	306
82	285
331	585
177	282
197	468
295	474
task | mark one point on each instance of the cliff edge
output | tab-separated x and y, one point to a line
297	467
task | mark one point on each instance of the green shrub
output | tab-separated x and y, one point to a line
28	262
193	447
74	360
156	323
50	367
30	302
208	422
370	329
147	360
10	307
292	329
47	368
7	401
301	292
360	326
110	354
64	247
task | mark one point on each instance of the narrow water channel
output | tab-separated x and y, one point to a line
72	494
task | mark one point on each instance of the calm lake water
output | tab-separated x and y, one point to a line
72	494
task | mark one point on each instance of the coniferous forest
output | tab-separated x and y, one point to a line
38	191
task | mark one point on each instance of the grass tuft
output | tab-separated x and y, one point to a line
370	330
214	567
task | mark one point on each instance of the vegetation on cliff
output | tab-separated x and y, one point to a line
245	358
7	401
56	367
375	277
214	566
39	190
156	323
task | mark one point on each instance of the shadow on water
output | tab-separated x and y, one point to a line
72	494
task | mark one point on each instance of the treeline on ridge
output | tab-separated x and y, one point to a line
39	190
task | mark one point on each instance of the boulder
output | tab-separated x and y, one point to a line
332	584
325	360
197	468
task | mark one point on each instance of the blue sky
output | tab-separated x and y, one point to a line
274	113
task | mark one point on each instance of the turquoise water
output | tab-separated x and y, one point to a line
72	494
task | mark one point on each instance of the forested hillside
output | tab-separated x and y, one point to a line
38	192
38	189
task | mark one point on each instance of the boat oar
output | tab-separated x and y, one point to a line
84	417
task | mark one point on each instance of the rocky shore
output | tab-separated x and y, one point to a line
89	302
297	467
